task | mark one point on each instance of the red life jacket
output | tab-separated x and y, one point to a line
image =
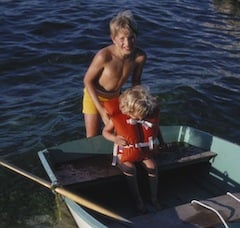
139	134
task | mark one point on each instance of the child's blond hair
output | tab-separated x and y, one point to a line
137	100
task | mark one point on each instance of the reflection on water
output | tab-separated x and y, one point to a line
230	25
227	6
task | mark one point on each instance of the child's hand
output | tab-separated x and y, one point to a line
120	140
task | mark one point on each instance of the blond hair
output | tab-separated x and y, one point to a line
123	20
137	100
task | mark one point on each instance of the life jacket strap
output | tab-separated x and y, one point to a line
115	152
144	123
148	144
117	149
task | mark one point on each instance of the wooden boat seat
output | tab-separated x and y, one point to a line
181	154
192	215
99	166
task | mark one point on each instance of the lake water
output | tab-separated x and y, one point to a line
193	50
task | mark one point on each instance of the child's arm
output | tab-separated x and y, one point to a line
108	133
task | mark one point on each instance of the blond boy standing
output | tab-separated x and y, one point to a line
110	69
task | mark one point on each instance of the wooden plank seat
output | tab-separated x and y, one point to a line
192	215
181	154
95	167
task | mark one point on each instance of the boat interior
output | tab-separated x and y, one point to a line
188	186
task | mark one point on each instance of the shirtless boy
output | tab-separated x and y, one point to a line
110	69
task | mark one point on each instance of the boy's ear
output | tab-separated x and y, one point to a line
112	38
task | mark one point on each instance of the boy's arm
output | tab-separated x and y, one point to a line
90	78
137	72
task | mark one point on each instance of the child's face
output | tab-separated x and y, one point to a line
136	116
125	40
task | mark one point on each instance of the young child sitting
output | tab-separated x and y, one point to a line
134	127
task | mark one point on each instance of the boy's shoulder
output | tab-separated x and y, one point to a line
104	53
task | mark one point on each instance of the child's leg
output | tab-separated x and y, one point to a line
152	171
129	171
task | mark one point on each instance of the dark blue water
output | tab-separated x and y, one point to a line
193	50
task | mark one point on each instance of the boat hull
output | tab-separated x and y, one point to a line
213	161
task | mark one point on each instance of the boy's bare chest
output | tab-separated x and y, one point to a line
119	69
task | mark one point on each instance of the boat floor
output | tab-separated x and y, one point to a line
177	188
